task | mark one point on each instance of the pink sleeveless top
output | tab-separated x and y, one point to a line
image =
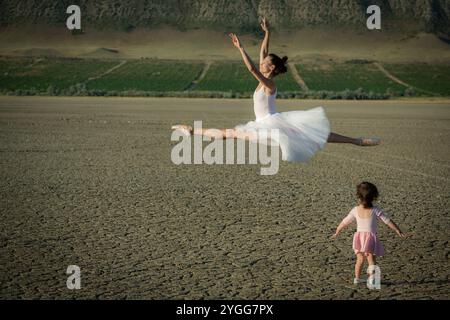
366	224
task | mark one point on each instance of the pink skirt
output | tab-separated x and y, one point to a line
367	242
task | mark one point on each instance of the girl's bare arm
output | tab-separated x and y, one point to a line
341	226
391	224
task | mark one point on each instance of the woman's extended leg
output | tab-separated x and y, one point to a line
337	138
216	133
233	134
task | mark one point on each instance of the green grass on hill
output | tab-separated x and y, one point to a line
434	79
347	76
228	79
234	76
39	75
144	75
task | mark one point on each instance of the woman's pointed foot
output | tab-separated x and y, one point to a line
368	142
187	130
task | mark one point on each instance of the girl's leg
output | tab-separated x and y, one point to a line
358	265
371	260
337	138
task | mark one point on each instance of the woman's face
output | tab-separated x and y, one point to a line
266	65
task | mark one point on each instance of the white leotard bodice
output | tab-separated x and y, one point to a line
263	104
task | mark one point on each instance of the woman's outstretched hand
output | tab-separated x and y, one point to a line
235	40
265	25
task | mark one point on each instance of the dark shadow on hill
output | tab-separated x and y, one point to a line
444	39
102	53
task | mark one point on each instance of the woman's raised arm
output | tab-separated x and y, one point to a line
251	66
265	44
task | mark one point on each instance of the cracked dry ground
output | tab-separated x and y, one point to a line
89	182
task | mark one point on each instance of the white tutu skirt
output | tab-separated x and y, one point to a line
301	133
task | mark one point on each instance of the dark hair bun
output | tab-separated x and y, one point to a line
283	68
280	63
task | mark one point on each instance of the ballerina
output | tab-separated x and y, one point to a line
301	133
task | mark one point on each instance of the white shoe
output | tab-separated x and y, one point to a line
187	130
359	280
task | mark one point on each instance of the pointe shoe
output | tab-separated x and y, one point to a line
187	130
368	142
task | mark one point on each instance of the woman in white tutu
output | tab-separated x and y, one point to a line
301	133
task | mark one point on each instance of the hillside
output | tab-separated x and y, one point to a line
430	16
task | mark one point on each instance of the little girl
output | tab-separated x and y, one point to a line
365	240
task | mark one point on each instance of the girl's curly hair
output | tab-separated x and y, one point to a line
366	192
